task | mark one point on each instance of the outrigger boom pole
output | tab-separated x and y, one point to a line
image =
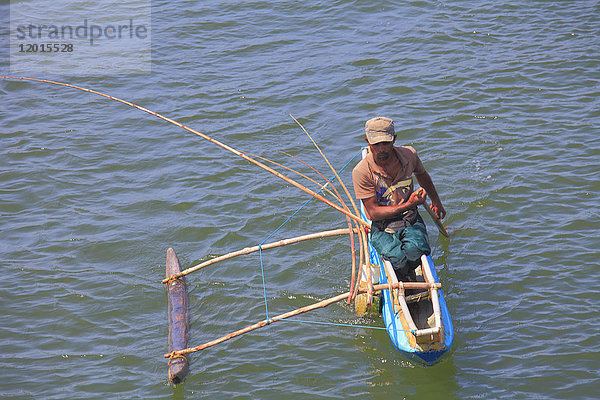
248	250
321	304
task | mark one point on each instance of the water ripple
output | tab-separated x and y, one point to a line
499	99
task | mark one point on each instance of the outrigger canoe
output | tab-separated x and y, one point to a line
417	322
419	326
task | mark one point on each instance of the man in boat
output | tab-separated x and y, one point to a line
383	182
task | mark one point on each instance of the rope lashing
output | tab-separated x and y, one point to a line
175	278
175	355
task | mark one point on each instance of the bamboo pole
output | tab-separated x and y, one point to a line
369	272
356	217
353	277
321	187
361	234
353	251
341	200
320	304
329	164
367	265
338	197
208	138
248	250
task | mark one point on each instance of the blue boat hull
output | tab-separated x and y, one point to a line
402	338
398	333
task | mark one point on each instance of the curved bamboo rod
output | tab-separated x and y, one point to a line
361	234
321	187
353	277
206	137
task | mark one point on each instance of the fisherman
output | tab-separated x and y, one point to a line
383	182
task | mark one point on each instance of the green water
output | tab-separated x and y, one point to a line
499	99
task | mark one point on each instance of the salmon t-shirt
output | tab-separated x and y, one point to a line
370	180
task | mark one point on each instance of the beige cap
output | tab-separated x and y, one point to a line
379	129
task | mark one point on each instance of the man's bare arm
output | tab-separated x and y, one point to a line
378	213
436	204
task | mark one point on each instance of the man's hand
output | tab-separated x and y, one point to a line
439	210
418	196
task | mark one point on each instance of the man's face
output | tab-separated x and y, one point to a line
382	151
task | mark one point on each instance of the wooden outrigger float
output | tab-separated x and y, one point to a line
431	327
179	318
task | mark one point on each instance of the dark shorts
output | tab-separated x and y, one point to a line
403	248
